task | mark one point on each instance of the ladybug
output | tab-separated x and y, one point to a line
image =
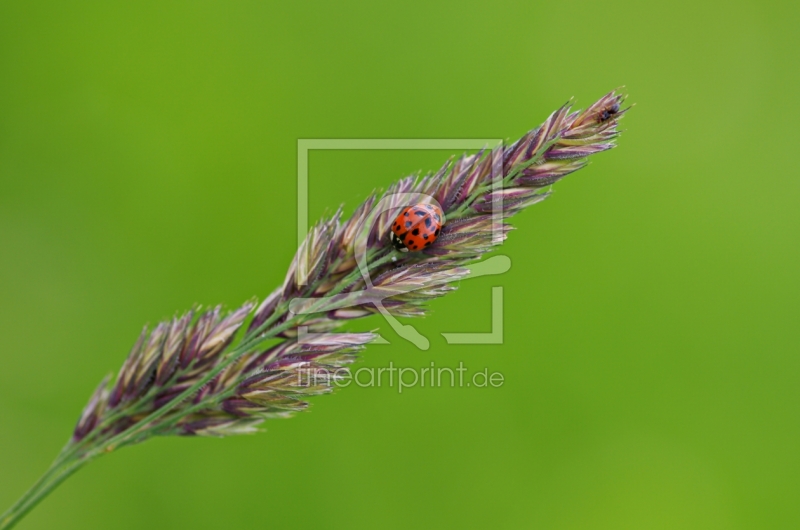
417	227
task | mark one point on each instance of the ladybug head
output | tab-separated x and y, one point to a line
397	244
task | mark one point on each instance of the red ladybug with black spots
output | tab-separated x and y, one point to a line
417	227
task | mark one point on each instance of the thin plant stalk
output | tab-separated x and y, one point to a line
191	376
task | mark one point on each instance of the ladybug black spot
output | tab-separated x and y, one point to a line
437	232
428	243
414	247
408	224
406	214
425	236
415	232
419	213
436	216
429	207
428	222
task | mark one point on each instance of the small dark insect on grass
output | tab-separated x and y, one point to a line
608	113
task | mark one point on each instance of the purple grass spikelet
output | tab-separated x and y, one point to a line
212	373
202	380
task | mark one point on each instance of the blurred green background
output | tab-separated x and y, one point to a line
651	339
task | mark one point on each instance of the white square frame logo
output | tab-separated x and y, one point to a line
493	265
